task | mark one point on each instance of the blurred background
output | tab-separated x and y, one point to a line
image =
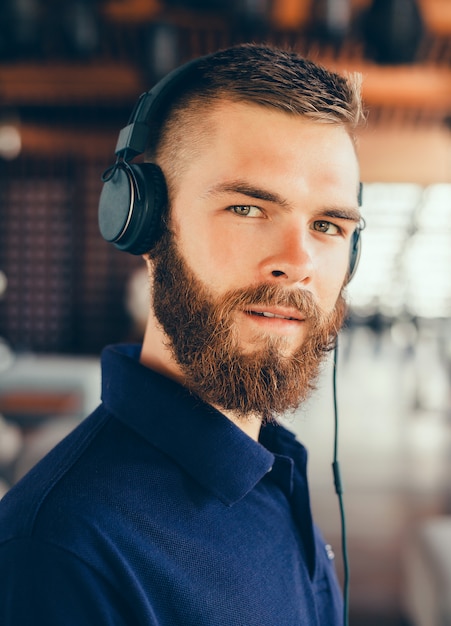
70	72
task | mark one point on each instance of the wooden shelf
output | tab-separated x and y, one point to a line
30	406
408	86
68	83
61	84
44	141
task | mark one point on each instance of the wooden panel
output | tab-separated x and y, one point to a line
413	86
389	153
42	141
410	86
61	83
437	15
131	11
33	404
291	13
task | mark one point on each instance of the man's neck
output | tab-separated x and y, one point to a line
157	356
251	425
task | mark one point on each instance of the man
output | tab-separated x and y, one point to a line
181	501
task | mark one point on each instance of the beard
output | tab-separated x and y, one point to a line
203	336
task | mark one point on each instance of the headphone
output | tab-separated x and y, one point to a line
356	241
134	195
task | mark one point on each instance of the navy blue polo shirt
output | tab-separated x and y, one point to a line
158	511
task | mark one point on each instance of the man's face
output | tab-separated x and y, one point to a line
262	221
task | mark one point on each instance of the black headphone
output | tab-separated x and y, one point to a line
134	195
356	241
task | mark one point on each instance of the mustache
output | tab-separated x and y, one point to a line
272	295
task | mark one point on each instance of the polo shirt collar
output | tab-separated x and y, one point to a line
209	447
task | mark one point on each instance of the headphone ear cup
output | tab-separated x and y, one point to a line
131	205
354	256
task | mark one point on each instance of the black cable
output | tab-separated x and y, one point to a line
339	491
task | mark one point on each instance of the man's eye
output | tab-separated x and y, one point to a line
322	226
246	210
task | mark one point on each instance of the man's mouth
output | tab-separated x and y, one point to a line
274	315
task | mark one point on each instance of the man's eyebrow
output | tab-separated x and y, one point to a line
343	213
248	190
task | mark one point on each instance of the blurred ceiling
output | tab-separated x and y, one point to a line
104	53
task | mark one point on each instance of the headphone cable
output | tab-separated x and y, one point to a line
339	491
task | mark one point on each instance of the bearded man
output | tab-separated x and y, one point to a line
182	501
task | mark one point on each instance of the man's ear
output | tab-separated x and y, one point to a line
148	260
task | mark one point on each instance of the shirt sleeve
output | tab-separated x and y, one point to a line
43	584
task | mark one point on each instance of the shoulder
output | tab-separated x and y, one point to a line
90	483
23	503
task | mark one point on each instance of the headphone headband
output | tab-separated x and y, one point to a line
133	138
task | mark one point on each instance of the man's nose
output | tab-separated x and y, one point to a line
290	260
